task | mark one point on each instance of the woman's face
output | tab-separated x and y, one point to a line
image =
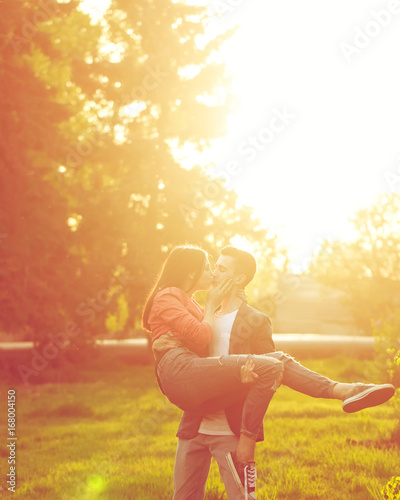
205	279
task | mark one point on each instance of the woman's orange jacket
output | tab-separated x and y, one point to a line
174	311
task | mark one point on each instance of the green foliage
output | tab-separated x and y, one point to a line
116	322
392	490
387	340
367	268
93	117
36	266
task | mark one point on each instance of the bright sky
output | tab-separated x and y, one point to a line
319	125
331	153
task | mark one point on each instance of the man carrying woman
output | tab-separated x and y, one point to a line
240	378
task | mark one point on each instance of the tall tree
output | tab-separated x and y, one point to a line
93	120
34	251
154	90
367	268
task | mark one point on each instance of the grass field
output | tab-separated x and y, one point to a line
113	437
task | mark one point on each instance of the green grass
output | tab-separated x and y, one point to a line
113	437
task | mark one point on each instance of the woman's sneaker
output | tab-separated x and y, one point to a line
244	474
367	395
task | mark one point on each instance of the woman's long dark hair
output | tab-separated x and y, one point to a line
181	261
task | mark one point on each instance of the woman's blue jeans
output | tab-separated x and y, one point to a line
207	385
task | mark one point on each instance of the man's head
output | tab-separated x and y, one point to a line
237	264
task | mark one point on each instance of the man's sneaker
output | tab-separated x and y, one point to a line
367	395
244	474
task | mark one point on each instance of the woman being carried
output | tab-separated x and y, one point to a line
181	332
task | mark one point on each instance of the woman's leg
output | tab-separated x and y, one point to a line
303	380
355	397
206	385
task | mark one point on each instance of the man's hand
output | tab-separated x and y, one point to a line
247	375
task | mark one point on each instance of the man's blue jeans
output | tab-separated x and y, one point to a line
207	385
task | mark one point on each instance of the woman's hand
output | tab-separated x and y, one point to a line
247	375
217	293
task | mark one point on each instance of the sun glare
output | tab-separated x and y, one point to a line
95	8
315	136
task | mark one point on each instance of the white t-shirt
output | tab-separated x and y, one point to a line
216	423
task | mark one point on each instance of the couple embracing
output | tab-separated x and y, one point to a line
219	365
